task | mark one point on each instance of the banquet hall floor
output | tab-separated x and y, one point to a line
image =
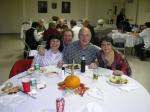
11	49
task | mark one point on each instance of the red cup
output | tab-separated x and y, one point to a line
26	85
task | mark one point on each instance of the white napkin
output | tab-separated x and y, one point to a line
11	100
92	107
33	52
95	92
129	86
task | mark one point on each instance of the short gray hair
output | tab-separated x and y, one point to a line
85	29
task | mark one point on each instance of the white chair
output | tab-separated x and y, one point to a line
26	48
24	27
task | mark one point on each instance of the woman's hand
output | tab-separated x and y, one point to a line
60	64
41	50
117	72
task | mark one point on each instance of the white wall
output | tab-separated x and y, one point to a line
22	10
77	10
144	11
143	14
10	16
14	12
131	11
98	9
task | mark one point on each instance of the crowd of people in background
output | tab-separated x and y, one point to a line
65	43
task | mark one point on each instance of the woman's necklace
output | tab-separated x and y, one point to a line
110	58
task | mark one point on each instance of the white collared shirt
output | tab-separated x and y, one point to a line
145	34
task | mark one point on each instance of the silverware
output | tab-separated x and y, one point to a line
28	94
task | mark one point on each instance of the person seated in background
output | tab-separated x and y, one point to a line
55	18
33	38
91	28
109	58
81	47
50	31
140	48
99	25
42	26
61	25
68	36
127	26
53	53
75	29
79	23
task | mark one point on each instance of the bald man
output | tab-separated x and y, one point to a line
81	47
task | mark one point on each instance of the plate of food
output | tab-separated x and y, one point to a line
32	70
51	73
117	80
9	88
76	66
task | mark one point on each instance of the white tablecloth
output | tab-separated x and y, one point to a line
114	98
131	41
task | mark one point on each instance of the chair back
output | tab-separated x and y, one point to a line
24	27
20	66
119	44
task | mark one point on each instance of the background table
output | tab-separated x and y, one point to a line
131	40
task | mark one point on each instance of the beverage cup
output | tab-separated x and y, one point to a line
36	67
33	83
95	74
26	85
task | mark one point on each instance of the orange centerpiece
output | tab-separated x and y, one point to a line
72	81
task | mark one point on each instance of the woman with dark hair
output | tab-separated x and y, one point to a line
52	55
109	58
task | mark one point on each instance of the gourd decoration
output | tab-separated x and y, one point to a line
72	81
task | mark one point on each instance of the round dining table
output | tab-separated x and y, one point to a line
102	96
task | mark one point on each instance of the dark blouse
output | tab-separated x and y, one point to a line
120	62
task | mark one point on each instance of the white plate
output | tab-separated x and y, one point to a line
47	71
8	86
66	66
51	74
111	83
51	71
31	70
